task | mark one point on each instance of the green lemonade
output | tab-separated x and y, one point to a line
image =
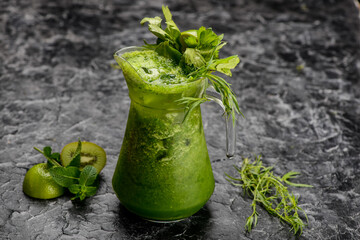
163	172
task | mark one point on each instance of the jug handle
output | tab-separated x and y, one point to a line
213	95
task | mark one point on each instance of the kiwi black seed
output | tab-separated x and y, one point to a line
91	154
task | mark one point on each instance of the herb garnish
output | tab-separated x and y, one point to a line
197	53
82	183
268	190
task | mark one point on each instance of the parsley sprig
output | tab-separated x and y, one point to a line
269	190
82	183
197	52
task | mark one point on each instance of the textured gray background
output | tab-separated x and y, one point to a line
56	85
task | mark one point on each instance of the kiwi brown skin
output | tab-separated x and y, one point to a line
91	154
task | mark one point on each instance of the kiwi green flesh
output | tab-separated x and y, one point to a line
91	154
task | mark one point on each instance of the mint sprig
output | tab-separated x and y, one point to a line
53	159
82	183
86	183
197	52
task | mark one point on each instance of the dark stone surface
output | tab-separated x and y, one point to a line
297	84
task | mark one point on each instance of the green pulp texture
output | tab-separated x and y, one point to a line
154	68
163	171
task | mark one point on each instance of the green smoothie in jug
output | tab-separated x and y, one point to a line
163	171
155	69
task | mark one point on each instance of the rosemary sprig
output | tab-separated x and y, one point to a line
268	190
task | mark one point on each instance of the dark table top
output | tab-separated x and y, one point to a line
297	84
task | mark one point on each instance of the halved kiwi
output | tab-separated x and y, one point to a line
91	154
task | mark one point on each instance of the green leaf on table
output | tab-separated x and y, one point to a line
82	195
82	183
47	151
82	191
56	156
77	195
75	161
88	175
52	158
75	188
90	191
65	176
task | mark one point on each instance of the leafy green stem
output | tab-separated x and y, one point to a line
269	190
197	53
52	161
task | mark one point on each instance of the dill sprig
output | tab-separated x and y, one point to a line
269	191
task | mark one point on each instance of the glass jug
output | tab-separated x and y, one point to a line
163	172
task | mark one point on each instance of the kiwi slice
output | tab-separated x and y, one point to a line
91	154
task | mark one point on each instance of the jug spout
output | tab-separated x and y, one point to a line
129	71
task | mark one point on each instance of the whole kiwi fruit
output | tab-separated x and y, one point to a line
91	154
